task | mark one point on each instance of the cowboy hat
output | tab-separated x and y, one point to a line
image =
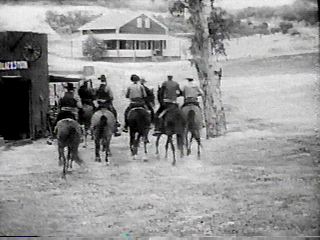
134	78
102	78
69	86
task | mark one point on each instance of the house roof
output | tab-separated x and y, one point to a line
115	20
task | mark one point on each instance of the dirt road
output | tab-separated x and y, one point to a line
260	179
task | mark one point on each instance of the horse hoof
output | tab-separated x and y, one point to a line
134	157
98	159
107	163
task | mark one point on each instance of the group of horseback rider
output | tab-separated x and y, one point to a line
138	94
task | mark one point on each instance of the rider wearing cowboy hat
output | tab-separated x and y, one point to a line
191	92
104	98
149	100
86	93
68	104
136	93
168	93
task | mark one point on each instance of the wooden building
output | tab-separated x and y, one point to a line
24	85
131	36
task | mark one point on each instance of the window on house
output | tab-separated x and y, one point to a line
110	44
139	22
143	45
126	44
147	22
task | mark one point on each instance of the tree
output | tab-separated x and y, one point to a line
93	48
209	33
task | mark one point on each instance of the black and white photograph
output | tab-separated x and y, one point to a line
159	119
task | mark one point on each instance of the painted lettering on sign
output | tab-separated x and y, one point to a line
13	65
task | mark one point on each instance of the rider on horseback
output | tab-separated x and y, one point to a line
104	98
86	93
68	105
168	94
191	92
149	99
136	93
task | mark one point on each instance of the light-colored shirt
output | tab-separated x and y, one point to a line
171	90
191	90
136	91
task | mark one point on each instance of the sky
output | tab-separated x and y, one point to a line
237	4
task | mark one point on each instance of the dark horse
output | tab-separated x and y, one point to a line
173	124
85	116
139	121
68	134
193	116
103	124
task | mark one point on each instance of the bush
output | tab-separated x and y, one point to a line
285	26
275	30
93	48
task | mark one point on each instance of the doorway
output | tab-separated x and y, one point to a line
14	107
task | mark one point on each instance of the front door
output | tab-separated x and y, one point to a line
14	107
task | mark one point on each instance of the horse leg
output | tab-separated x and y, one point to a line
173	151
167	145
60	150
107	150
180	144
61	154
70	157
132	142
199	144
189	149
145	142
157	146
97	149
186	139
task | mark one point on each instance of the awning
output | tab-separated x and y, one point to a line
68	78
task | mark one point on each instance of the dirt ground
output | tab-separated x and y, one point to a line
260	179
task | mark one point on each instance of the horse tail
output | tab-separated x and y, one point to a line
103	124
191	120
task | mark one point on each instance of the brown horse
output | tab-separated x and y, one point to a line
103	124
139	121
193	116
68	134
85	116
173	124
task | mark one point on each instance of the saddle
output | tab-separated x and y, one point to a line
135	108
191	103
173	105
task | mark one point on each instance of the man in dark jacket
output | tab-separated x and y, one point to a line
168	94
104	98
86	94
68	105
149	99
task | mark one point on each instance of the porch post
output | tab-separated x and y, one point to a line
134	49
118	47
